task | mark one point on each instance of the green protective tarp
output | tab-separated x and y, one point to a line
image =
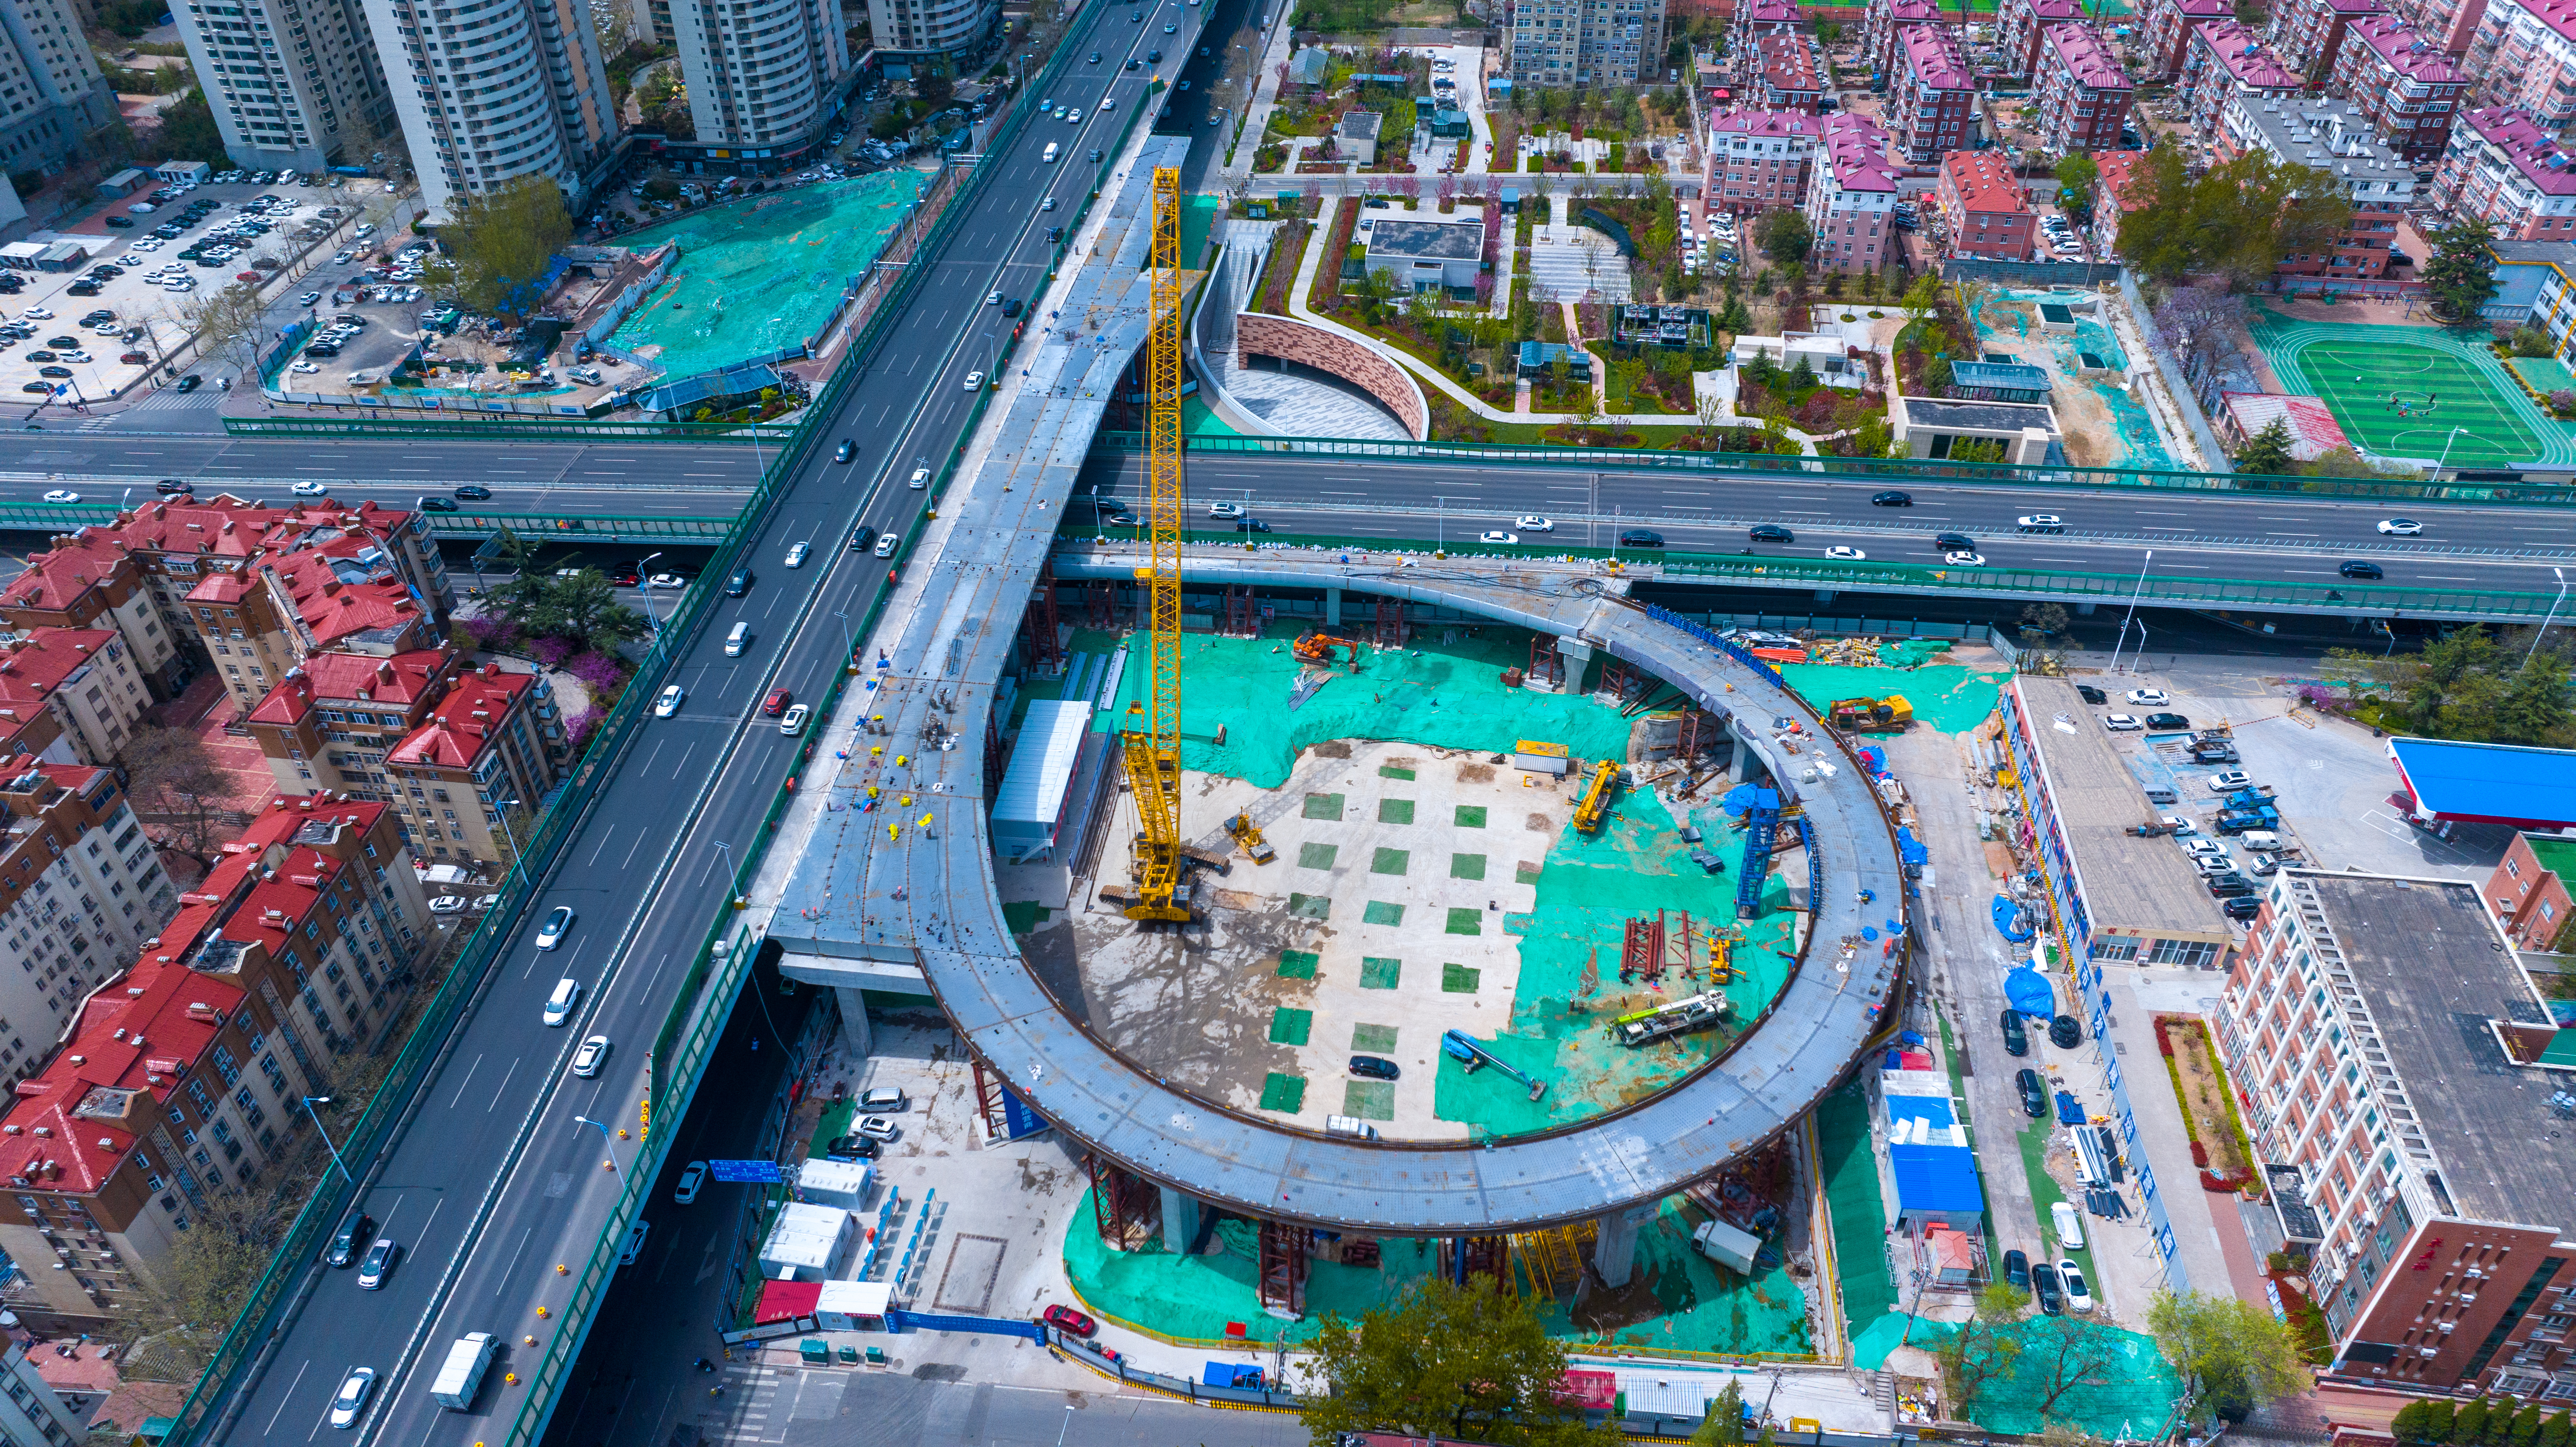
2129	1399
1849	1165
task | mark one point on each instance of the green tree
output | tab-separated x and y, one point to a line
1985	1348
2556	1431
188	131
2060	1354
2076	177
1724	1426
2460	277
585	606
2525	1430
2235	220
2408	1425
2532	709
1457	1361
2267	453
2469	1424
500	241
2233	1357
1784	236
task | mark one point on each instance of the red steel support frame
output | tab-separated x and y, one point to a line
1120	1202
1046	648
1285	1253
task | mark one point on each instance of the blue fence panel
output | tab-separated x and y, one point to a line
1727	646
900	1320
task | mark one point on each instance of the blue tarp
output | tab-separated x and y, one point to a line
2070	1111
2489	783
1229	1374
1936	1180
2008	920
1910	849
2028	991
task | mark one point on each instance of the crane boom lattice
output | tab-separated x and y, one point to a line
1153	754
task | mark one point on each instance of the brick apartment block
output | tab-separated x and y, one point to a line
2310	32
2506	170
2523	54
1932	102
2402	84
2084	95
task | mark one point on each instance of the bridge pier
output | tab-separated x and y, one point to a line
1180	1220
2084	610
1332	607
1578	662
855	1034
1614	1252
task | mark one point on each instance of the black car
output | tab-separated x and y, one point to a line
53	371
1011	307
2016	1038
44	387
2064	1032
66	343
1954	542
739	583
2043	1285
1374	1067
845	451
1095	155
2361	570
2168	721
120	223
173	487
2241	908
2034	1095
862	538
190	383
852	1148
1095	57
1891	499
354	1235
1770	533
2090	694
1640	538
1155	57
41	356
1055	235
436	504
2017	1269
2230	885
81	288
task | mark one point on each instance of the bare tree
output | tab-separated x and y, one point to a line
227	325
172	773
2070	1352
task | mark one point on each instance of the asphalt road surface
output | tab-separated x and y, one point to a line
497	1179
407	465
2239	535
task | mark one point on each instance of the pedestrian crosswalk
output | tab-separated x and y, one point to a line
167	399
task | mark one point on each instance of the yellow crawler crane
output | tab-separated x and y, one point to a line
1153	753
1595	805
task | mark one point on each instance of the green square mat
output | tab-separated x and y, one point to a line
1369	1099
1466	866
1309	906
1393	771
1378	973
1291	1027
1395	811
1297	964
1459	979
1378	912
1466	921
1374	1039
1390	861
1324	806
1525	873
1316	856
1283	1093
1471	816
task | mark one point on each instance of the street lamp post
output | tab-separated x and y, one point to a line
311	1101
2544	623
2133	609
2446	450
605	1137
644	576
510	834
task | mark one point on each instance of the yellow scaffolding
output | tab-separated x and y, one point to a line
1549	1264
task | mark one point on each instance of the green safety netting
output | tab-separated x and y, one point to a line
2128	1398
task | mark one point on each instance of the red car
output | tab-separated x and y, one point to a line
776	703
623	580
1069	1321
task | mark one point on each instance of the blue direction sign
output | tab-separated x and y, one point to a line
757	1172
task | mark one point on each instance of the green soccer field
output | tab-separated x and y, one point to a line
2356	379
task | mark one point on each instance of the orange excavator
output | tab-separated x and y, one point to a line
1317	649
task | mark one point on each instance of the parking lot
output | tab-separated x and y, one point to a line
141	273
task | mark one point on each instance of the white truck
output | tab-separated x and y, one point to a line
461	1375
1728	1247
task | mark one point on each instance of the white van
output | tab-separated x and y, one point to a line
1049	157
2069	1223
1349	1125
737	640
559	1005
2263	839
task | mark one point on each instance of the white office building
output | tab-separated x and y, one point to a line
288	79
51	92
931	27
760	73
31	1414
491	90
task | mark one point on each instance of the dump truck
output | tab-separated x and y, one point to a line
461	1375
1889	715
1247	836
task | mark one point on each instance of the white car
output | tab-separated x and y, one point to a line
2122	723
2400	527
307	368
668	705
1846	554
37	313
692	1177
2213	864
1959	559
2149	697
557	925
1498	537
796	555
992	298
2229	782
2078	1298
62	494
2040	522
878	1128
308	489
352	1397
974	381
1225	510
592	1054
666	580
2179	826
365	230
2204	848
448	904
1533	523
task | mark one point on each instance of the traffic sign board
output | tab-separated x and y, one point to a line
758	1172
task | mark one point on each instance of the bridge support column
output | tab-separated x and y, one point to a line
855	1034
1180	1220
1824	595
2084	610
1578	662
1614	1254
1332	607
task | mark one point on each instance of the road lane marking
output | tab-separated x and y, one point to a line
468	1080
505	1085
288	1396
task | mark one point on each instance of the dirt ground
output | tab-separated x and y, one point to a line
2092	440
2204	1096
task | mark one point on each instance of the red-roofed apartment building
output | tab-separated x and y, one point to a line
1983	208
1851	201
2166	38
1758	160
183	1079
2310	32
1787	76
81	888
1885	19
448	747
2084	96
68	695
2401	84
2523	54
2120	189
1932	102
2451	25
2225	61
2019	25
273	615
2508	172
134	574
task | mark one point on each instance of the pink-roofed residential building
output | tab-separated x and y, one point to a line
2451	25
1984	213
2524	55
1932	102
2019	25
1851	197
1789	75
1884	19
2224	61
2504	169
1759	160
2119	188
68	695
182	1079
2164	37
2401	83
2310	32
2084	95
